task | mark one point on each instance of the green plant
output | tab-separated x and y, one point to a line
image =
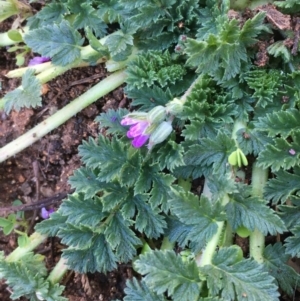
206	109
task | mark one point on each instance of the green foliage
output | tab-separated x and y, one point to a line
59	42
285	185
242	280
138	291
252	212
26	277
201	216
222	55
166	272
292	243
28	96
275	261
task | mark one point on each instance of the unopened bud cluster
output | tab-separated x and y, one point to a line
156	125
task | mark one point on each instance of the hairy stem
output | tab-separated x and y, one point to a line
34	240
257	239
104	87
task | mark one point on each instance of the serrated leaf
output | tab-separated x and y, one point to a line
275	262
281	154
98	257
88	16
81	211
112	121
148	220
242	281
292	243
58	41
76	236
122	238
139	291
166	272
84	180
109	155
284	123
252	212
201	215
114	194
118	42
290	214
284	186
28	95
212	152
52	225
170	155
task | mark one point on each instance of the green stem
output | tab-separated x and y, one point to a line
206	256
257	239
104	87
58	272
34	240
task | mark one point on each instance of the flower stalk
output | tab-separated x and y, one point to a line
104	87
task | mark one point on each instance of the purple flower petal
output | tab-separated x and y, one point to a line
137	129
38	60
46	213
128	121
139	141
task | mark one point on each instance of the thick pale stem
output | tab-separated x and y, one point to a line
206	256
34	240
104	87
257	239
59	271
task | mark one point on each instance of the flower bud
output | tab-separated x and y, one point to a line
157	114
174	107
160	134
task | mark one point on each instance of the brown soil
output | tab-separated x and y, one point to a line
42	170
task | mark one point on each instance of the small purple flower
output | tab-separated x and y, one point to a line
38	60
46	213
136	131
292	152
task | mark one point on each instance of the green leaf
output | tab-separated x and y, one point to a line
112	121
148	220
170	155
81	211
97	257
51	225
292	243
58	41
84	180
25	276
243	280
109	155
166	272
281	154
211	152
88	16
285	123
290	214
28	95
252	212
201	215
76	236
139	291
275	262
225	50
283	186
118	42
122	238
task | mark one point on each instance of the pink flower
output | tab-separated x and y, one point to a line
136	131
38	60
46	213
